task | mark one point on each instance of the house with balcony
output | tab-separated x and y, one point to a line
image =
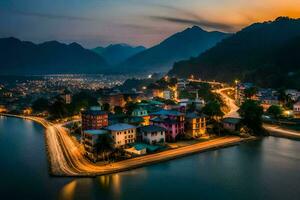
122	134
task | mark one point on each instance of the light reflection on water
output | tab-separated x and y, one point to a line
266	169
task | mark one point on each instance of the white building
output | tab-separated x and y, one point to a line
122	134
153	134
296	109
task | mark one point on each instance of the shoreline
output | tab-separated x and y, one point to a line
282	132
50	168
66	163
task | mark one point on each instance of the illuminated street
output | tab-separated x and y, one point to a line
67	160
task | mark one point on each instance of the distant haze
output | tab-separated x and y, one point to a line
137	22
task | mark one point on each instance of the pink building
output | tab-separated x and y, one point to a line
173	121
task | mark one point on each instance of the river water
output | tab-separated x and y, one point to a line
266	169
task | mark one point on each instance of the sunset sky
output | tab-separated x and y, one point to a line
137	22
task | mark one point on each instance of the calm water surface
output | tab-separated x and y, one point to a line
267	169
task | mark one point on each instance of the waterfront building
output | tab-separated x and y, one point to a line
122	134
231	124
195	125
90	140
94	118
173	121
152	134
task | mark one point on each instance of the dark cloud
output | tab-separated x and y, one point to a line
48	15
198	22
191	18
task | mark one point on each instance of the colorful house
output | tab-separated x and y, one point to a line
195	125
140	112
173	121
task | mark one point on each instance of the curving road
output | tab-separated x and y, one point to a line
66	158
275	130
229	101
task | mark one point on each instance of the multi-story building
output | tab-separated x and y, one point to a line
90	140
122	134
152	134
173	121
94	119
195	125
140	112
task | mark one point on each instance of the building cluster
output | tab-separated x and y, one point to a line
270	97
153	126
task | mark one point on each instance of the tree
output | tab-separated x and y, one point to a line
250	92
251	113
40	105
130	106
118	110
104	144
83	100
58	109
106	107
213	109
275	111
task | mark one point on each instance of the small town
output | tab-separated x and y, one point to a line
149	99
113	124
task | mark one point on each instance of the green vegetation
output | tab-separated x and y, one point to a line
275	111
213	109
250	92
266	54
251	113
104	145
40	105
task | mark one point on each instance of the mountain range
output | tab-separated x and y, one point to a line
22	57
26	58
263	53
117	53
160	58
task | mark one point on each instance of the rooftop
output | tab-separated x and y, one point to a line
96	132
164	120
95	110
231	120
151	128
120	127
193	115
168	112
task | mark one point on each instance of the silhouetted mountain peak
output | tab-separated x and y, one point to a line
264	53
75	45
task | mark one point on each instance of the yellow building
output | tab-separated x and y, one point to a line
195	125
